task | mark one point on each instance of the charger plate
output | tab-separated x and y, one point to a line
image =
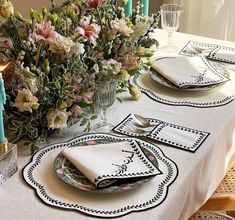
40	175
66	171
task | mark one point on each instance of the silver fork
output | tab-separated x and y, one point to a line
137	130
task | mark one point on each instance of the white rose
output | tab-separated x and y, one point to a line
57	119
121	26
60	44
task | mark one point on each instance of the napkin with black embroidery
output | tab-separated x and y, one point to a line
223	54
106	164
188	72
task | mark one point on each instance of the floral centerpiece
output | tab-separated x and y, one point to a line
56	58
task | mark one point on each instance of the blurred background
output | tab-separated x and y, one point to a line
210	18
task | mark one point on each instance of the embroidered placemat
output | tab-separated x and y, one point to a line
40	175
193	48
223	54
180	137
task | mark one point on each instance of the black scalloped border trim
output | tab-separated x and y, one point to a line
91	212
159	127
156	98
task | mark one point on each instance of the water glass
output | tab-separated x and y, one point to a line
170	20
104	97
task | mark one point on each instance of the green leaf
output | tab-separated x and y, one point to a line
93	117
16	123
84	104
119	99
57	84
68	89
51	85
83	122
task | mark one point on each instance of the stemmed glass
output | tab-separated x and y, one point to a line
170	20
104	97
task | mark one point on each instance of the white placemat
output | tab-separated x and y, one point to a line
40	175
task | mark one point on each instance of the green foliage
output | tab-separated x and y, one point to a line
58	56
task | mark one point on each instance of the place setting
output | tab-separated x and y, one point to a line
101	175
202	76
188	81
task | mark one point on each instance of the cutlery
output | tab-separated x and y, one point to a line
198	50
140	121
135	129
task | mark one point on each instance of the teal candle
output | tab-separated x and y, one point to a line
146	7
2	102
129	8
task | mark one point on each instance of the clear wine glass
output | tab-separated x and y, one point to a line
104	97
170	20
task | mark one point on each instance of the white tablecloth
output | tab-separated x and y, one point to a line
199	172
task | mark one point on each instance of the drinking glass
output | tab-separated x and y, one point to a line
170	20
104	97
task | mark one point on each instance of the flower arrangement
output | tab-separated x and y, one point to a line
57	57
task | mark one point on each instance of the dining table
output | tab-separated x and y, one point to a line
198	172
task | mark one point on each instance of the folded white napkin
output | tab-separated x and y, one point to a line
104	164
188	72
224	54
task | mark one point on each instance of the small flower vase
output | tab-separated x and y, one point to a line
104	97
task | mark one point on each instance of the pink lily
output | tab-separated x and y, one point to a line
91	31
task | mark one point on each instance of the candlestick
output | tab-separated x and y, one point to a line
146	7
8	151
129	8
2	102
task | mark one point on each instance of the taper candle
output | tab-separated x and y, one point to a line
2	102
146	7
129	8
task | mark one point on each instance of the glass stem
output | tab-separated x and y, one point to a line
103	116
169	39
